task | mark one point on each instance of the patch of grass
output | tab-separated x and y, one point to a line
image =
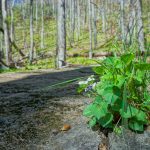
81	61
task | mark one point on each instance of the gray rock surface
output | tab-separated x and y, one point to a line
78	138
31	118
129	141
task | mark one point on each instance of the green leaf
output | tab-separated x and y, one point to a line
127	58
141	116
111	94
120	80
99	110
98	70
92	122
139	76
131	112
81	88
98	100
142	66
109	61
136	126
88	110
147	96
117	105
106	120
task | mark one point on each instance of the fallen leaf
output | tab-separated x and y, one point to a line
66	127
102	147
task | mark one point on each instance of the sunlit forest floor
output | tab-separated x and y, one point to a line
77	47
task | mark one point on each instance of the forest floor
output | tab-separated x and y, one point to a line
33	113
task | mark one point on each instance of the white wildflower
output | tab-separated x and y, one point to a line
83	82
94	85
91	78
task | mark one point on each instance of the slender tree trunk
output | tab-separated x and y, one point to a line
95	25
79	20
8	51
1	34
12	22
148	16
61	37
73	19
140	26
36	14
90	29
24	24
103	11
31	33
132	22
122	20
42	24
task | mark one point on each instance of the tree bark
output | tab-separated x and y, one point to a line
122	21
8	51
36	14
140	29
42	24
90	29
94	24
12	22
61	35
31	33
132	23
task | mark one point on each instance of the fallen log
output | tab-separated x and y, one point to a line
100	54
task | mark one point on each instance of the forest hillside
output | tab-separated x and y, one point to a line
29	37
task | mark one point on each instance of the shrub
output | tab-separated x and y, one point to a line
121	95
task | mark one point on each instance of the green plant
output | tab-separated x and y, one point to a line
121	94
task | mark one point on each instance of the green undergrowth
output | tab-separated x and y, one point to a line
121	93
79	45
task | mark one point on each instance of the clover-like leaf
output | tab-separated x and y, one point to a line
136	126
106	120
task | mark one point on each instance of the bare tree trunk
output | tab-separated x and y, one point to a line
72	19
90	29
148	16
61	37
94	24
140	26
31	33
132	22
36	14
24	24
8	51
122	20
78	8
12	22
103	12
1	34
42	24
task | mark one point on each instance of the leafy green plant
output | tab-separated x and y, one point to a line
121	94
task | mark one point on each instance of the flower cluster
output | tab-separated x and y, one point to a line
87	85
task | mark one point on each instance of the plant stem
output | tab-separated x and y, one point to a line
125	104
